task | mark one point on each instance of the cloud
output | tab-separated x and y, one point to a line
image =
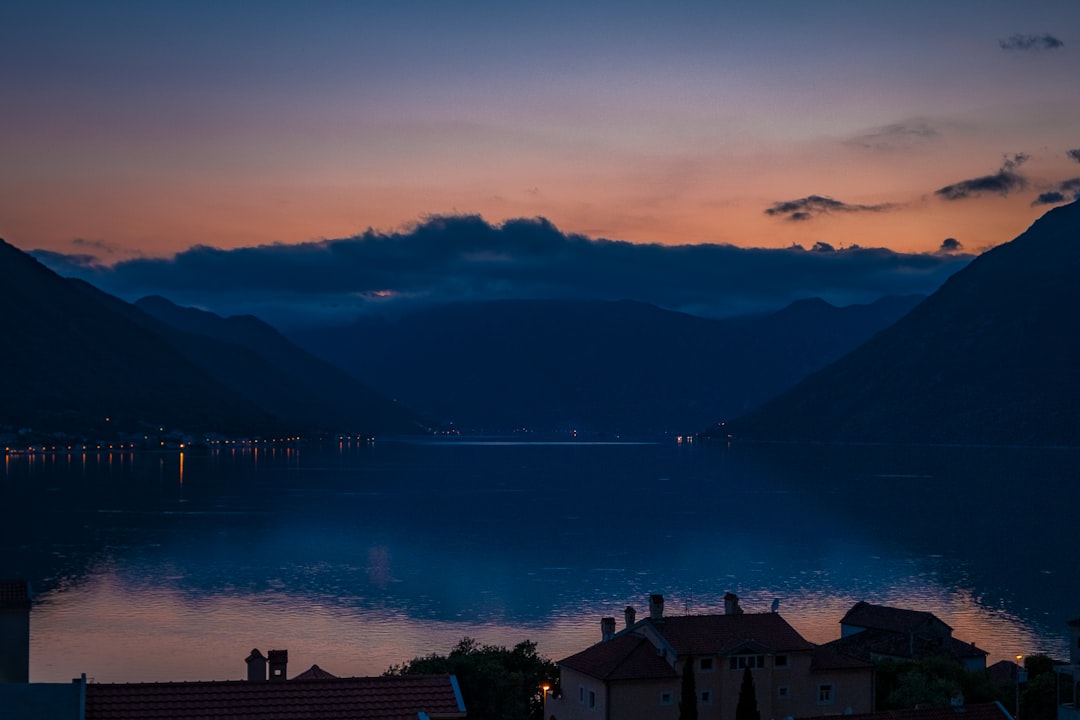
1003	182
950	245
1063	191
1074	154
1028	43
814	205
463	258
896	136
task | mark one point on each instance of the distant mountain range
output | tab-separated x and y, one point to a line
992	357
613	367
82	362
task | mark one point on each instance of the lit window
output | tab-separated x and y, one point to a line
666	697
825	694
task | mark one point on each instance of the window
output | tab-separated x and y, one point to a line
706	697
665	697
780	661
592	699
783	692
705	665
825	694
738	662
581	694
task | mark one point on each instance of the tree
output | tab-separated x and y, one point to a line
747	707
1038	700
496	683
688	700
903	684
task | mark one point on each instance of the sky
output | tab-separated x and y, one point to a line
131	132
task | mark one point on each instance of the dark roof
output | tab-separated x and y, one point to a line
624	657
883	617
974	711
315	673
1003	671
728	634
868	644
372	698
827	658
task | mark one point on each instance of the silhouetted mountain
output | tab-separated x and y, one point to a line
247	354
71	361
991	357
594	366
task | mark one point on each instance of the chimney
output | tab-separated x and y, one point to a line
14	631
256	665
656	607
278	659
607	628
631	615
731	604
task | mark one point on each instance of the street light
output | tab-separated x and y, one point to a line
1021	676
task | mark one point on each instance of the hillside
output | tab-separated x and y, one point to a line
73	364
620	367
991	357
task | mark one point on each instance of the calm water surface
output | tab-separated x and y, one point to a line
356	557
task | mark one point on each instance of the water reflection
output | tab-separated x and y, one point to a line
359	557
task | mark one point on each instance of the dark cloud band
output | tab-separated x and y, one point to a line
1030	42
814	205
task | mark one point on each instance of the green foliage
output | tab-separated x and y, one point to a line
931	681
496	683
747	707
1038	697
688	700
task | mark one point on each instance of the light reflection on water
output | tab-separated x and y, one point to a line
361	559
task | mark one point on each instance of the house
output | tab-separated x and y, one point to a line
314	694
637	671
879	632
1068	677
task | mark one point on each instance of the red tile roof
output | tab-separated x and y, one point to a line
372	698
624	657
883	617
974	711
727	634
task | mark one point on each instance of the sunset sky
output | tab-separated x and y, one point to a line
135	129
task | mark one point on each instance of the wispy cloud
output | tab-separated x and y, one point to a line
895	137
464	258
1030	43
815	205
1003	182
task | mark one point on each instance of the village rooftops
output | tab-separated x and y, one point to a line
407	697
729	634
624	657
892	619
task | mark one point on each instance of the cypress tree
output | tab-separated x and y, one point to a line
747	708
688	701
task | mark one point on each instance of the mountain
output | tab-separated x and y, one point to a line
251	356
74	364
623	367
991	357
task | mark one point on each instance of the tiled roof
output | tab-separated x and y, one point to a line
867	644
883	617
827	658
974	711
624	657
727	634
372	698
